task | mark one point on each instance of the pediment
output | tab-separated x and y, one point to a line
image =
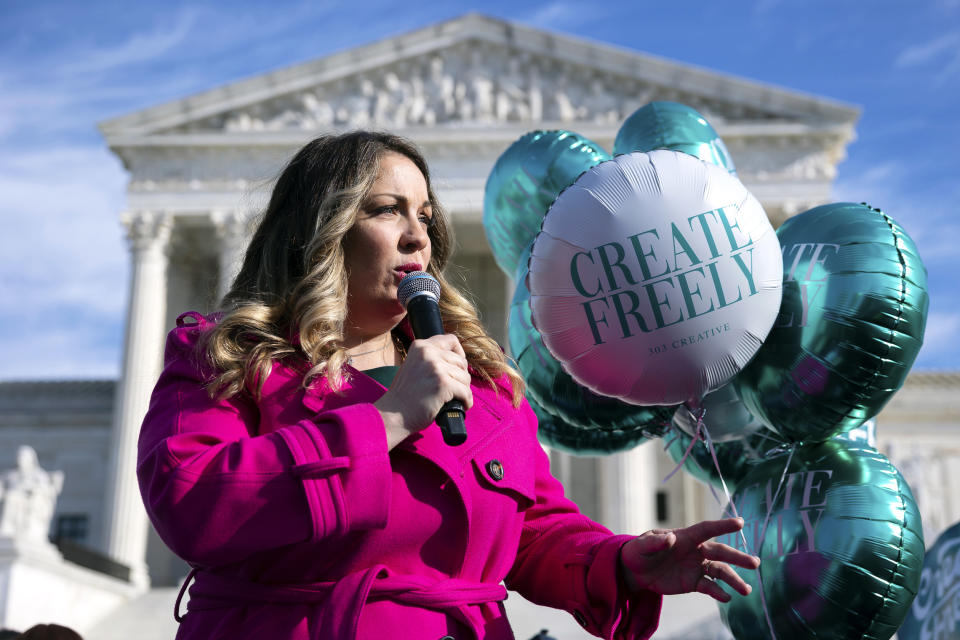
473	71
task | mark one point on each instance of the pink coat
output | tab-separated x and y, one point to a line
302	525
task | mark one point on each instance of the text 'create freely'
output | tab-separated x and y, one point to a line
660	277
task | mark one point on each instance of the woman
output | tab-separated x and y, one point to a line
309	487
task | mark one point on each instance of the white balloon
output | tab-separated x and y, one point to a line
655	278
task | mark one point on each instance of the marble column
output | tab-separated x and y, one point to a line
629	485
126	525
231	229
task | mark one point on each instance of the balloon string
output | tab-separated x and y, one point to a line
686	454
763	535
723	483
670	439
702	433
701	428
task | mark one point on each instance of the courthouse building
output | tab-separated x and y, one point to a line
200	169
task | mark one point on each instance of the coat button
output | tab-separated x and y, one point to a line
580	619
495	469
448	638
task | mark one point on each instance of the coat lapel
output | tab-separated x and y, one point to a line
319	397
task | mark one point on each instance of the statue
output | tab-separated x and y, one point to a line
28	497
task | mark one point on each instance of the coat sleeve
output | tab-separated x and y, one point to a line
217	492
568	561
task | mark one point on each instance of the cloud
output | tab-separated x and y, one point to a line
762	7
879	174
35	108
940	341
63	263
62	244
555	15
926	214
138	47
942	54
919	54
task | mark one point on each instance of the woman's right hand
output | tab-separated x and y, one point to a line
433	373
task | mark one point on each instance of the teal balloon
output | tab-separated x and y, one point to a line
573	408
675	126
723	415
934	610
525	181
850	326
842	551
556	434
865	434
735	458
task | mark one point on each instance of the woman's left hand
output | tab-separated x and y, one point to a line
670	561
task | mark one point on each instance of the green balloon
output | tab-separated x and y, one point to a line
525	181
842	551
554	433
735	457
575	407
675	126
850	326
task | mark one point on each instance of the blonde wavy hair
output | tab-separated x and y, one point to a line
288	302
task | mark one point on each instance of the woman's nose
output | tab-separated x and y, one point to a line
415	232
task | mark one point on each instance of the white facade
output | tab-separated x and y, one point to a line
200	168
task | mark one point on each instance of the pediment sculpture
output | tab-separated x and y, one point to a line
470	83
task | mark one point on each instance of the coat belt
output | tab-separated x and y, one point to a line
344	598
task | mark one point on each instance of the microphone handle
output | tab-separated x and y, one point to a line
426	322
424	315
452	426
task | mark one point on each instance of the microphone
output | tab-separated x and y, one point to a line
419	292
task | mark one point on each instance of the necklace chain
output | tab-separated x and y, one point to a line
363	353
396	343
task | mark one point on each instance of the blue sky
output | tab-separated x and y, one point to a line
66	65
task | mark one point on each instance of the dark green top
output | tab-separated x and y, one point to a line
383	375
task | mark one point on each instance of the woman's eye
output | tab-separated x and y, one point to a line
426	220
389	208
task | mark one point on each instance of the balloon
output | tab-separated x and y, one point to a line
671	125
850	325
724	416
576	407
526	178
554	433
734	457
864	434
934	611
654	278
737	457
842	551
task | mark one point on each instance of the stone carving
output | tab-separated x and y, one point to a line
147	230
786	159
28	497
471	82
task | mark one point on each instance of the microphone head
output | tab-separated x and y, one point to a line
417	283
